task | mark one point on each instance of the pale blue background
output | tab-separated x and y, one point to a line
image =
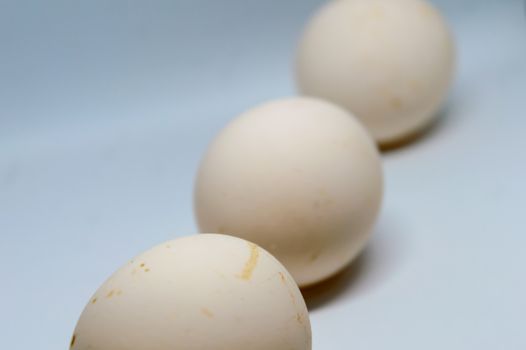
107	106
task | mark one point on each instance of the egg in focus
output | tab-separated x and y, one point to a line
200	292
300	177
390	62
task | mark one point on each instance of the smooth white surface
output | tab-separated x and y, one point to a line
197	292
299	176
99	147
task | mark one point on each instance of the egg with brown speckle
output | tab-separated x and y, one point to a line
390	62
200	292
301	177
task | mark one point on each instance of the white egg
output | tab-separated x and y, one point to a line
300	177
201	292
390	62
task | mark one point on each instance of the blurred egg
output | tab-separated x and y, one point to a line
390	62
300	177
201	292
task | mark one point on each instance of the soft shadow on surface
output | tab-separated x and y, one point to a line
437	124
382	256
337	286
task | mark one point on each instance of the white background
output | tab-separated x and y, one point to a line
107	106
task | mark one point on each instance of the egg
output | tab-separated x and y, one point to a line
299	176
199	292
390	62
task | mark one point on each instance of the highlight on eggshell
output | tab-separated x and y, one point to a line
389	62
200	292
301	177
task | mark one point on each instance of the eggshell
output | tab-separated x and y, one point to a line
197	293
300	177
390	62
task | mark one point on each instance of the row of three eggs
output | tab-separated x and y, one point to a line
299	177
